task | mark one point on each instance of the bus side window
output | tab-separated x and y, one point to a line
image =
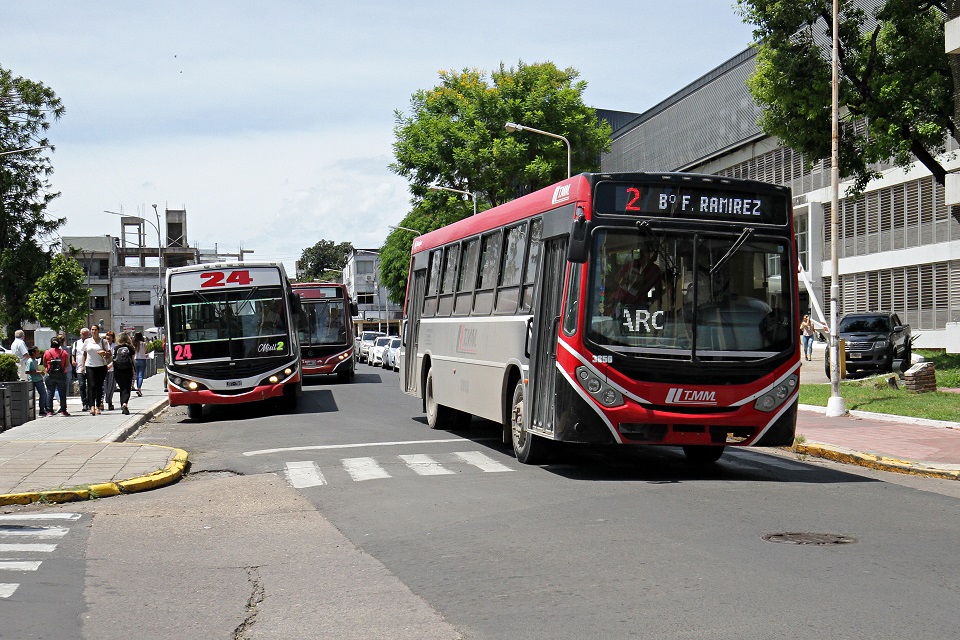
468	277
433	284
530	271
511	269
572	304
489	272
451	260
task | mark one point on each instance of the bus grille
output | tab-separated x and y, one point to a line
236	369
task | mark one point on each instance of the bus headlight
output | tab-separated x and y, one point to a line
776	396
600	390
274	379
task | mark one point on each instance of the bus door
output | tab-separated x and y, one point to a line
409	379
540	405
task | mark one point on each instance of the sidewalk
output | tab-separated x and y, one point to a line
77	457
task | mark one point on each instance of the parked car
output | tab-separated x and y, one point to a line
874	340
367	338
376	351
391	356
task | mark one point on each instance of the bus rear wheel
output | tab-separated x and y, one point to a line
195	412
529	448
702	453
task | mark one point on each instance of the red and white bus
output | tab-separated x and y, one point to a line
230	335
653	309
324	329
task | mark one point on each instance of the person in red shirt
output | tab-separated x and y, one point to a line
56	361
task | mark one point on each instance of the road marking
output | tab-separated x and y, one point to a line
425	465
482	461
304	474
359	445
771	461
19	565
20	548
41	516
361	469
37	532
6	589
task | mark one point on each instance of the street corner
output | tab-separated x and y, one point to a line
875	461
170	463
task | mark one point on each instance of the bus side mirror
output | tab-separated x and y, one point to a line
579	233
295	303
158	319
354	309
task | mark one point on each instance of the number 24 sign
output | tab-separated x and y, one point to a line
223	278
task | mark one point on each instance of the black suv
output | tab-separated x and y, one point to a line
874	341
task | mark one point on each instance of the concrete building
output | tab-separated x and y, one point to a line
899	243
361	274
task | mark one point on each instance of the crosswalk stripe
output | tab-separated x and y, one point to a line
361	469
40	516
482	461
22	548
37	532
304	474
7	589
759	460
425	465
19	565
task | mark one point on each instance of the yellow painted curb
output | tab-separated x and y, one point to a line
880	463
168	475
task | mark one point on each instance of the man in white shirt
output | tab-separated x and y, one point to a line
19	349
78	367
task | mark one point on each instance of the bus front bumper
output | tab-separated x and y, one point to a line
206	396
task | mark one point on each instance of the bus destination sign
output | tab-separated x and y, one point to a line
689	201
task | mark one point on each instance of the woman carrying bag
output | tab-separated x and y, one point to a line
95	358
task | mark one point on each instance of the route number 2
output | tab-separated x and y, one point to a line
222	279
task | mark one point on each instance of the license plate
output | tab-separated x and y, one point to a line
234	383
854	356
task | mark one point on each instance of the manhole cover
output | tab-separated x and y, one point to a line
809	538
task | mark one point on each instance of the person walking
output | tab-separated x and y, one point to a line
807	334
123	358
140	360
19	348
34	370
109	384
80	371
57	361
94	363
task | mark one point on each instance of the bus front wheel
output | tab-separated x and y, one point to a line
195	412
438	416
529	448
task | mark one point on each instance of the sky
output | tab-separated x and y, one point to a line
271	122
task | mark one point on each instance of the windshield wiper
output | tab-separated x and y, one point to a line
744	236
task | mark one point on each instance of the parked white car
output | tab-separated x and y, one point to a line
391	356
376	351
367	339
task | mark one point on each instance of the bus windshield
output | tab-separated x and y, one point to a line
321	323
235	324
693	296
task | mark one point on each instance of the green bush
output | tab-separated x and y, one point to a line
8	368
155	345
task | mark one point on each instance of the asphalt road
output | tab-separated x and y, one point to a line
352	512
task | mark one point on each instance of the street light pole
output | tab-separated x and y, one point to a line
513	126
472	196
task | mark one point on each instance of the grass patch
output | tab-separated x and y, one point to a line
869	395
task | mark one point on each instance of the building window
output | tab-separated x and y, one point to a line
139	298
99	303
364	267
364	298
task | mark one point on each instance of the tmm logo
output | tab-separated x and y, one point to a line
679	395
561	193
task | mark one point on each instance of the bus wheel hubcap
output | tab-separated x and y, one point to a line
517	420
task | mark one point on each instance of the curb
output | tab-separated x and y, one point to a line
872	461
168	475
124	432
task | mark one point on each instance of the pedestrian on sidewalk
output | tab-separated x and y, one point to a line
807	334
109	383
94	358
80	370
19	348
35	373
140	360
123	355
57	361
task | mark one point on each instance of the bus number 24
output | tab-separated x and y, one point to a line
182	352
222	279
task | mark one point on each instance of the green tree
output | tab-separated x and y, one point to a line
314	261
895	81
26	111
454	136
60	300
